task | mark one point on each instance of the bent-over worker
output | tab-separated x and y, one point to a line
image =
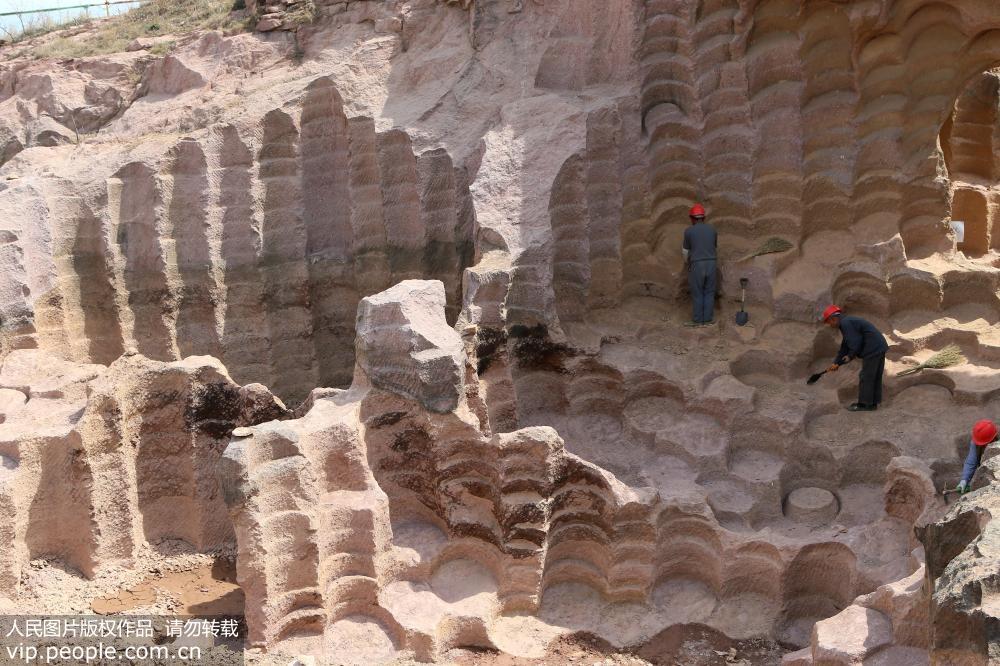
700	243
860	340
983	432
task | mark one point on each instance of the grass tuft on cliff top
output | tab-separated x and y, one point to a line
157	18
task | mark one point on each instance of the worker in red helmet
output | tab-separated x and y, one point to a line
860	339
700	243
983	432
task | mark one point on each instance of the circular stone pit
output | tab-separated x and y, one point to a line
814	507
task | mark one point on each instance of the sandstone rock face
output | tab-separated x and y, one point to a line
447	235
101	461
968	137
887	626
589	216
411	524
850	636
961	571
405	346
189	259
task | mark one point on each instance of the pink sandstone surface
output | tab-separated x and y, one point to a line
384	312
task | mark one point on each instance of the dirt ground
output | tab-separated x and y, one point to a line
208	589
682	645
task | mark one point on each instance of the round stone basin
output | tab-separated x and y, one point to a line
811	506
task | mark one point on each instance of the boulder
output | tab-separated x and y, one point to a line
850	636
963	549
269	22
405	346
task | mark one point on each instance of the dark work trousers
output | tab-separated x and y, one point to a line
701	279
870	386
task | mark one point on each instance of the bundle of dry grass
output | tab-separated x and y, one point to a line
947	357
770	246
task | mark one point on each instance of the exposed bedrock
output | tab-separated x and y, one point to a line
962	555
405	347
252	245
838	159
449	233
101	461
969	138
761	111
74	99
383	508
265	231
945	612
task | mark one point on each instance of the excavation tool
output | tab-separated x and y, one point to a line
947	493
815	378
742	317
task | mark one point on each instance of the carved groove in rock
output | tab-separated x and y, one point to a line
457	254
256	249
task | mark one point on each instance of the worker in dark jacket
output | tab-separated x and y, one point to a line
860	340
700	242
983	433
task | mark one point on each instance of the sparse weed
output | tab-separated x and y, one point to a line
153	19
303	13
162	48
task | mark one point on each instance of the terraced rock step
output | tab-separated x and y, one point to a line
448	236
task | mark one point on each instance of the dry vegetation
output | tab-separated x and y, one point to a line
157	18
38	24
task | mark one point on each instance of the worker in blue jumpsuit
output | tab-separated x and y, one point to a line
699	248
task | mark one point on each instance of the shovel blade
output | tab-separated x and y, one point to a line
815	378
742	317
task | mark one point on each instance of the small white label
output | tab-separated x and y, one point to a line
959	228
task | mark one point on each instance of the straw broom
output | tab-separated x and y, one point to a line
770	246
950	355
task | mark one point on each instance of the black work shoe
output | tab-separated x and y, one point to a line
858	407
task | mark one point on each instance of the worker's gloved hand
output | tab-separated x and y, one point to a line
963	487
833	368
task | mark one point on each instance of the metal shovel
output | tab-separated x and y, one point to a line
742	317
815	378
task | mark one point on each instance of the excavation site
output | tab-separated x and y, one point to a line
508	332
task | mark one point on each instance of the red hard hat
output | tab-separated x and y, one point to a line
697	210
984	432
830	311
